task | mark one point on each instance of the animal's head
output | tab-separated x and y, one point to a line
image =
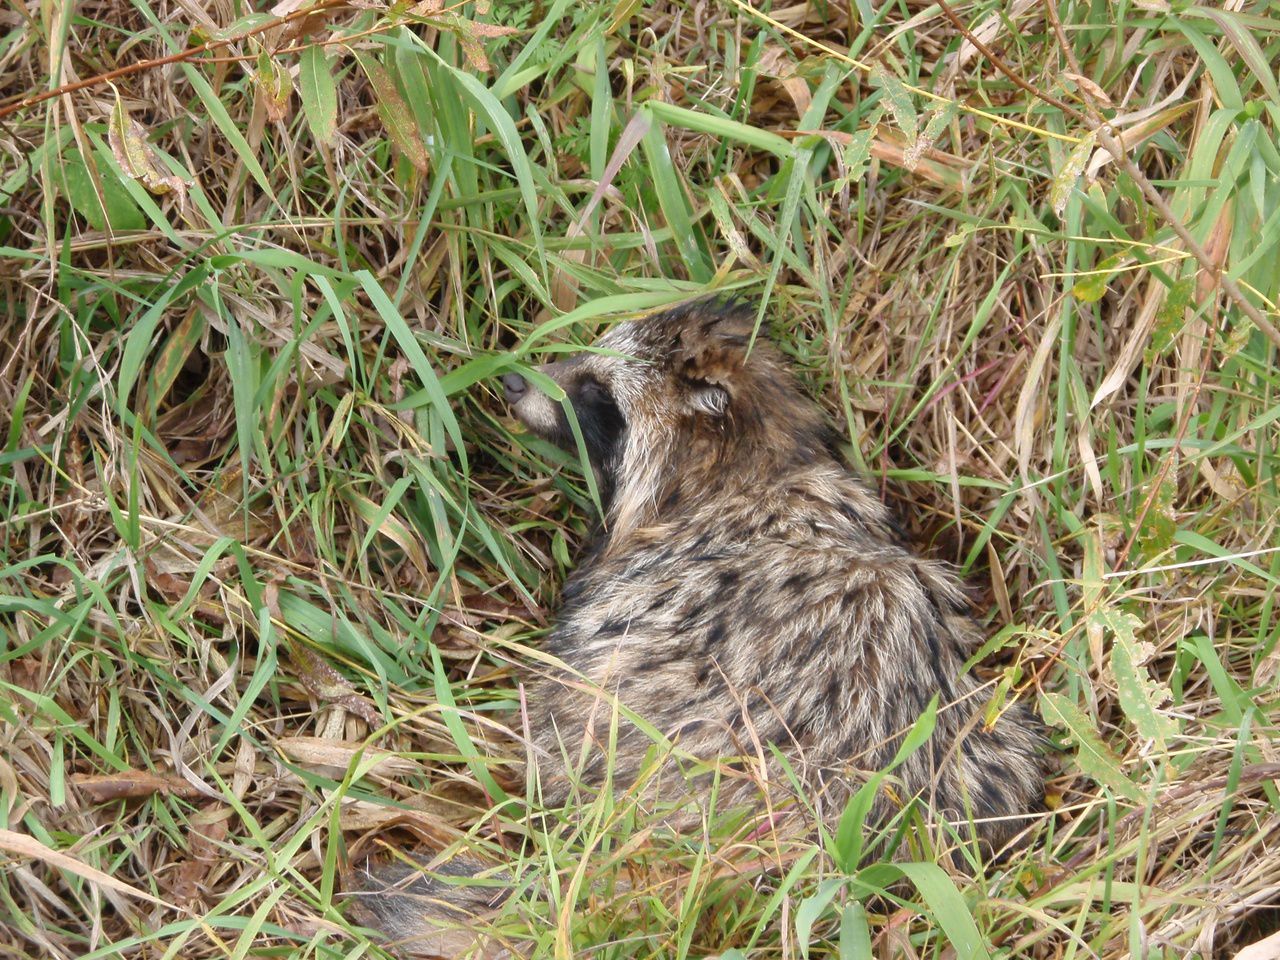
672	397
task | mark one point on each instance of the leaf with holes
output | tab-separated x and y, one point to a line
1140	696
1065	181
898	101
1094	758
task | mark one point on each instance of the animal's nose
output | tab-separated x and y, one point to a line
514	386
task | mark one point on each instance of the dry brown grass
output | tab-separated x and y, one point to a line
247	573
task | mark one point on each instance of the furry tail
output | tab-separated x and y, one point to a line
440	911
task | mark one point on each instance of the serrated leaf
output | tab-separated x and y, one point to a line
938	121
898	100
1140	696
395	114
857	153
1065	181
319	93
1094	758
1159	525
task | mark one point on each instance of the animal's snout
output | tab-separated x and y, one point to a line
514	386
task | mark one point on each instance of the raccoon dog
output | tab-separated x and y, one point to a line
748	590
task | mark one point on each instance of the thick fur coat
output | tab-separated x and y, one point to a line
748	590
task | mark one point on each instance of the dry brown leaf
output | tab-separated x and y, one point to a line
1089	87
338	755
776	63
131	784
327	684
128	141
208	828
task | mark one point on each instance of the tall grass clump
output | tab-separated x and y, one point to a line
270	545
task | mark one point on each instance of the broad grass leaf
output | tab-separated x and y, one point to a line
948	908
495	116
1246	44
855	933
812	908
449	714
121	213
720	127
397	119
319	93
668	186
1221	76
1094	758
852	826
138	341
945	904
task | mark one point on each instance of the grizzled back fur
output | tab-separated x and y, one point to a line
747	589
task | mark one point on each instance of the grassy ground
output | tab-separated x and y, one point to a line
264	514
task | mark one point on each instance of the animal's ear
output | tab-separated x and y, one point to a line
711	352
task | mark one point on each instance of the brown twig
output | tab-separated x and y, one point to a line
31	100
1101	128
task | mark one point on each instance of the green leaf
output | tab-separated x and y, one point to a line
855	934
948	907
1094	284
319	93
898	100
851	829
1246	45
1094	758
719	127
857	153
222	120
1171	317
121	212
397	119
1140	696
417	359
812	908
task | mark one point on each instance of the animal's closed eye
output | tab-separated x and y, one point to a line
593	391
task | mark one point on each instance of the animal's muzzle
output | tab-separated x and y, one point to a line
514	386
